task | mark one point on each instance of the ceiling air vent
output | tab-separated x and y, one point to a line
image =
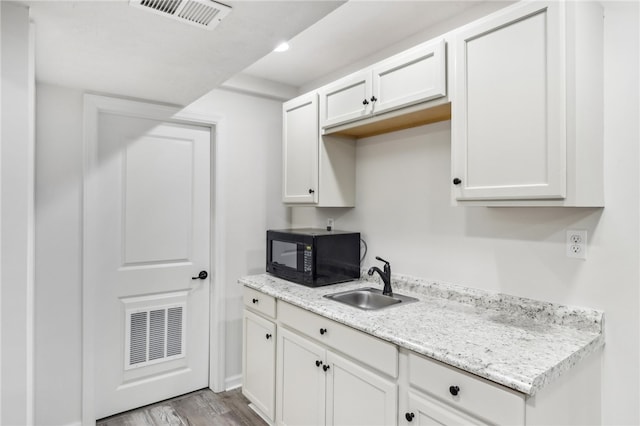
200	13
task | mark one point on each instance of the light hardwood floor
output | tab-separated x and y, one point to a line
201	407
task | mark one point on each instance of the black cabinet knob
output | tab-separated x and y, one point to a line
365	102
268	336
409	416
318	363
373	99
254	301
201	276
311	191
454	390
325	367
457	181
323	330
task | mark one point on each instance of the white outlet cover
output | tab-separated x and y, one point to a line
576	243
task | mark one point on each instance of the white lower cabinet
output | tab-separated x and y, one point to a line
259	352
357	396
258	363
316	386
300	382
320	372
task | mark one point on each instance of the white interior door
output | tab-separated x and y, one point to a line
147	223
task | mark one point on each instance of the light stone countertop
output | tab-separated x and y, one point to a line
519	343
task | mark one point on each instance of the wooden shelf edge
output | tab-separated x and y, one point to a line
395	122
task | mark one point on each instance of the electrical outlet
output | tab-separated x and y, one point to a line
329	224
577	243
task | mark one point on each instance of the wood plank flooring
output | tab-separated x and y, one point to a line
198	408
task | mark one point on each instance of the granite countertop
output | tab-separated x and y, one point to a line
519	343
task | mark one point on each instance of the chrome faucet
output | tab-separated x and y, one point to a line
385	275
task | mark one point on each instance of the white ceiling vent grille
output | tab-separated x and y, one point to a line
201	13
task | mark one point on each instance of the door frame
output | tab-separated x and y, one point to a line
94	105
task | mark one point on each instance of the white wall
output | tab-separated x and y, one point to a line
248	178
249	158
16	325
403	211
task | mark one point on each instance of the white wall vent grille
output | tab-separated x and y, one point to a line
154	335
201	13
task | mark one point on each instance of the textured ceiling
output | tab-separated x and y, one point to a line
111	47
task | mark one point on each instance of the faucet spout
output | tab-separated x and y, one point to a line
385	275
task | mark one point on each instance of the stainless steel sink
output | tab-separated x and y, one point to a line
369	298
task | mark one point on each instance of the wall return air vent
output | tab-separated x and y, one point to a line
200	13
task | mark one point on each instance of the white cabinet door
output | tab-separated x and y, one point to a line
300	150
300	381
426	411
346	100
357	396
259	363
414	76
508	128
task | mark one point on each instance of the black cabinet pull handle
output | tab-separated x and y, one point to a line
311	191
457	181
454	390
373	99
325	367
318	363
254	301
365	102
323	330
268	336
409	416
201	276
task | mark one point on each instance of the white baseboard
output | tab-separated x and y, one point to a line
78	423
233	382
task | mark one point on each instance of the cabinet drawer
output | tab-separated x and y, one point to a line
480	397
376	353
259	302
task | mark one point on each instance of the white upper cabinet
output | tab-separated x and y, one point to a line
413	76
300	150
527	107
346	100
316	170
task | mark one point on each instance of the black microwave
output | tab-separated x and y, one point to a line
313	257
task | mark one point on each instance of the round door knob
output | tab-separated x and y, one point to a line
318	363
201	276
409	416
453	390
268	336
254	301
457	181
373	99
325	367
323	330
365	102
311	191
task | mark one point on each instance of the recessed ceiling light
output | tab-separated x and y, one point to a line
282	47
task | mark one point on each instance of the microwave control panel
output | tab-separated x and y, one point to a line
308	259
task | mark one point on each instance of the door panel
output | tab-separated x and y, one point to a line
346	100
259	363
356	396
158	223
414	76
300	381
509	140
147	225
